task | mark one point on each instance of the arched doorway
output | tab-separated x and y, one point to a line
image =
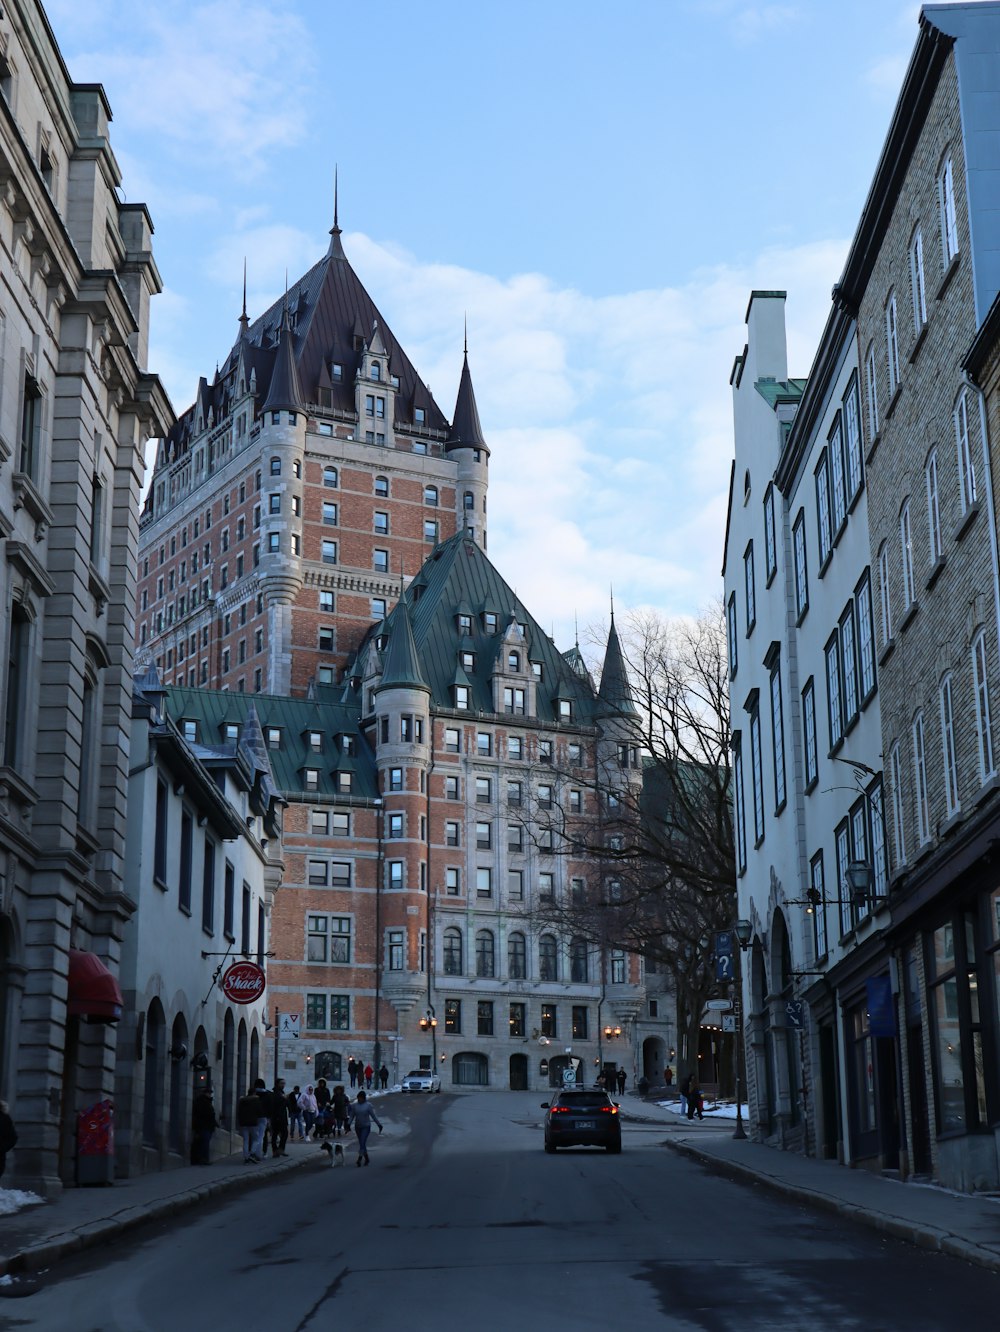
470	1069
178	1120
254	1058
784	1039
329	1065
154	1052
654	1060
519	1072
241	1059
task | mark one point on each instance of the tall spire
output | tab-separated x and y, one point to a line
615	691
401	664
285	391
466	432
336	250
244	318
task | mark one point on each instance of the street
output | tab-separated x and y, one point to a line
463	1220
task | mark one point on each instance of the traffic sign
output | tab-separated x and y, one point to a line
794	1015
290	1025
729	1022
724	943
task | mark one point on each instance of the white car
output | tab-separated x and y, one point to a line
421	1080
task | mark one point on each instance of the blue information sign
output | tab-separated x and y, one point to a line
794	1015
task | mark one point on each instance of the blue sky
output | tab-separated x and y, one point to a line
598	188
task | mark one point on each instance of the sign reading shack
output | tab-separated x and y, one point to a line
244	982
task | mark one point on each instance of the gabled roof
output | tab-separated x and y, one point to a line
457	576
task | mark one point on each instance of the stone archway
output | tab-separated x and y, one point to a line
654	1060
179	1113
519	1072
154	1055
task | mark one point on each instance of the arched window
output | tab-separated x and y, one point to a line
966	465
485	956
241	1058
382	486
452	951
578	960
470	1069
330	479
156	1027
376	370
468	500
984	724
431	496
548	958
275	466
179	1084
517	957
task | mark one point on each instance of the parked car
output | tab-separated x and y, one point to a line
422	1080
582	1118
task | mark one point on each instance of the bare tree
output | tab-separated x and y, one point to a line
662	838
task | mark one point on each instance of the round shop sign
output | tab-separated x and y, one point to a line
244	982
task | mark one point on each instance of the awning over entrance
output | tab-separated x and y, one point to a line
94	994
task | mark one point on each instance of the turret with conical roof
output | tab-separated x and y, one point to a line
400	663
467	446
285	392
615	692
619	742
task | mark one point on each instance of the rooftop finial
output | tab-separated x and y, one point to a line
244	320
576	630
465	346
336	250
612	603
336	201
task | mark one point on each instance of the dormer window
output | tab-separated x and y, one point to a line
347	744
565	707
316	741
513	661
345	781
468	660
231	731
490	622
462	697
536	669
273	737
464	624
338	371
419	415
189	730
375	371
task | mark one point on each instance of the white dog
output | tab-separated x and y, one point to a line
334	1151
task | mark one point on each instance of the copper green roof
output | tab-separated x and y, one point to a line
776	392
400	663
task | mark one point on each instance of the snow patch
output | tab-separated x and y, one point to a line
12	1200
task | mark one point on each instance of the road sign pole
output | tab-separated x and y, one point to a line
277	1040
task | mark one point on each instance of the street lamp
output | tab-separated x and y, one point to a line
430	1023
744	932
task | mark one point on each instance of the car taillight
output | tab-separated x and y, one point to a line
609	1109
560	1109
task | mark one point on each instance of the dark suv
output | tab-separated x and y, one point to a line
582	1119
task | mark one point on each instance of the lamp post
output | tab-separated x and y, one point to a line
743	931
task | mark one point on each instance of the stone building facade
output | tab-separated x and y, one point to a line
76	408
902	1012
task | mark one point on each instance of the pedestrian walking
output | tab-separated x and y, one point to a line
264	1122
694	1101
369	1074
362	1114
339	1104
8	1135
622	1079
352	1073
309	1108
295	1120
203	1125
383	1077
685	1088
279	1119
248	1111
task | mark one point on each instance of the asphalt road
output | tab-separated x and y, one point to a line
462	1222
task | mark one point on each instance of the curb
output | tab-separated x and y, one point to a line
913	1232
35	1256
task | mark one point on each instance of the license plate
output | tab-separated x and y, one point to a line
586	1124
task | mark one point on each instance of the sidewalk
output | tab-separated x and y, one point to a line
36	1236
962	1225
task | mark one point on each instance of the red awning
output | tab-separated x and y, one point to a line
94	994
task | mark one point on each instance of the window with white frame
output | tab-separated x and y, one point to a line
933	507
917	285
838	485
896	782
849	665
966	465
757	771
818	893
801	565
809	732
777	737
906	554
866	635
948	745
824	528
946	206
859	846
892	343
880	870
871	377
883	590
842	844
920	780
834	708
770	540
738	802
396	950
984	725
852	440
731	632
748	580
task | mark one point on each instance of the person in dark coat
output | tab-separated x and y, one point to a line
8	1135
383	1077
352	1072
339	1104
264	1122
279	1119
694	1099
622	1079
203	1125
322	1094
295	1118
249	1111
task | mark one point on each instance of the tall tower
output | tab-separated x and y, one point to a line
468	447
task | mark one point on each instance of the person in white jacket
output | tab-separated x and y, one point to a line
310	1109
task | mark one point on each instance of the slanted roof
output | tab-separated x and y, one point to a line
285	391
400	663
456	576
615	693
779	392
